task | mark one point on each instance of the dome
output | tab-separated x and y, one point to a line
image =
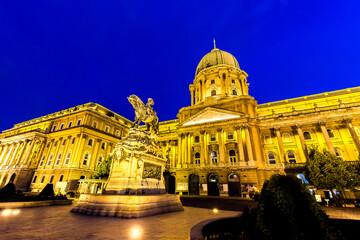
216	57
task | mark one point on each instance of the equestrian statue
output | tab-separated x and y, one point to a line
144	113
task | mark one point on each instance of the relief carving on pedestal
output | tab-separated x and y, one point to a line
152	171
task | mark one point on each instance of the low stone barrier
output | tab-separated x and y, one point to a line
4	205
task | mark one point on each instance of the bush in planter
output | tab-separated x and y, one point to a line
48	191
287	210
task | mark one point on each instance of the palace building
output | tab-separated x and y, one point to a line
223	143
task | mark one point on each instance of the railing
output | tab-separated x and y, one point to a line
93	186
294	165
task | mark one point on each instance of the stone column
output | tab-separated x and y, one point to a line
280	145
7	155
97	145
5	148
202	139
189	142
173	151
221	147
326	136
79	150
352	133
179	161
14	154
240	145
248	143
186	144
28	153
302	139
41	149
191	88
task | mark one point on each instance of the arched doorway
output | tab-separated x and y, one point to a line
213	185
12	179
234	185
171	189
193	184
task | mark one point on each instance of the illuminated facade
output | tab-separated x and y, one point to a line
223	143
59	148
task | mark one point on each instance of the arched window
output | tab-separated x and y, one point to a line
48	145
307	135
86	159
62	126
211	82
42	160
42	178
70	124
286	137
331	133
61	177
234	92
103	146
50	159
232	157
338	153
214	158
78	122
90	143
271	158
82	177
212	137
197	158
64	142
213	93
54	128
291	157
55	144
72	141
107	129
267	140
58	159
232	81
197	139
67	159
230	136
117	133
101	158
51	178
95	124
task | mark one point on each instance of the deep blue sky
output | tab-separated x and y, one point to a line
58	54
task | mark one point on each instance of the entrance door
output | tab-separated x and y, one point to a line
193	184
213	185
171	188
234	185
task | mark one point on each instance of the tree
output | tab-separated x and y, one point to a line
103	169
327	171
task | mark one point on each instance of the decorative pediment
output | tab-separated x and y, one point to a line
212	115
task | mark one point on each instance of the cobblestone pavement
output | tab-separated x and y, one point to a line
56	222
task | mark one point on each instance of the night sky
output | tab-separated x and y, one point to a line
58	54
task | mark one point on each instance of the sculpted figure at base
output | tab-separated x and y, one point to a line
144	113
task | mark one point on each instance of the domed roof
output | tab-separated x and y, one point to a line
216	57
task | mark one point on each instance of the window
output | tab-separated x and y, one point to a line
50	159
232	81
42	160
271	158
307	136
212	82
267	140
286	137
291	157
64	142
214	159
338	153
91	141
234	92
331	133
213	93
55	143
54	128
34	179
212	137
197	158
230	136
101	158
48	145
67	159
103	146
51	178
61	177
42	178
82	177
95	124
78	122
117	133
197	139
232	157
86	159
70	123
107	129
72	141
58	159
62	126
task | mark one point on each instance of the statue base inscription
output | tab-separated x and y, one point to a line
135	187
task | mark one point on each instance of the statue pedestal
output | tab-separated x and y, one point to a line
135	187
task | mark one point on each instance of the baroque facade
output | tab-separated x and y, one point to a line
223	143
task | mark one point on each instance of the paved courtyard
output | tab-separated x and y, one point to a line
57	222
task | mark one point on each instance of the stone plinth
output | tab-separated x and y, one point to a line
135	187
127	206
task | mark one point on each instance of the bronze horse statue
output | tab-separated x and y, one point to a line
144	113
